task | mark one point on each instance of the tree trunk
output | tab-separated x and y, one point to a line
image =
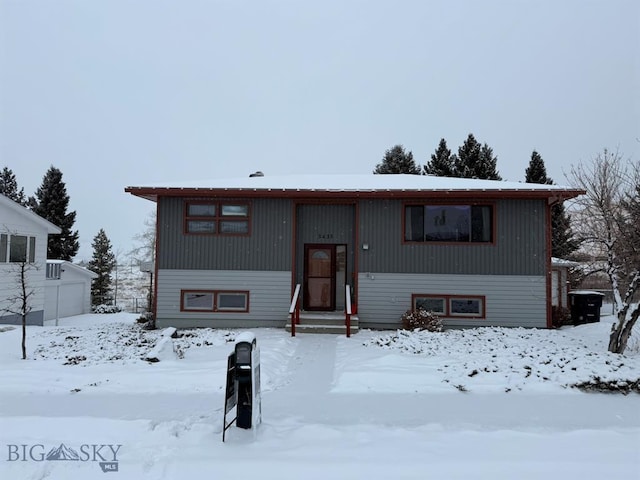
24	337
25	307
621	330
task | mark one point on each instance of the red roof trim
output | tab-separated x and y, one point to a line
152	193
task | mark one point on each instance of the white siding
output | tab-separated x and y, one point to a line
269	297
75	298
12	223
511	300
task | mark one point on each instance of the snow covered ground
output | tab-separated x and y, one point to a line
465	404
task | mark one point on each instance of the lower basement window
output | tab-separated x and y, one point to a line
450	305
214	301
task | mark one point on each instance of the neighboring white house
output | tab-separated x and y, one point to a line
67	290
23	238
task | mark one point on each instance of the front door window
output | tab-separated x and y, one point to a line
320	291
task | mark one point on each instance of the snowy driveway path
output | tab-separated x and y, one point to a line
312	365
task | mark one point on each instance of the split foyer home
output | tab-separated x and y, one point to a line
230	253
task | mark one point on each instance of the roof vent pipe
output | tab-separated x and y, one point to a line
257	174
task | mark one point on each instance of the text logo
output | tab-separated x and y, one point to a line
105	455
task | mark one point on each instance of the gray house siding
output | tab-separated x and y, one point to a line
269	297
511	300
510	273
268	247
519	247
324	224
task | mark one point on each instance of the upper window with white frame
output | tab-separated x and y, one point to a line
448	223
17	248
217	218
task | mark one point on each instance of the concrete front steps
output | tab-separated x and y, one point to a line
323	322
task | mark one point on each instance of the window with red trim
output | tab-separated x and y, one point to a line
448	223
454	306
217	218
214	301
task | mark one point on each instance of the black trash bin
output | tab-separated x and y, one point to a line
585	306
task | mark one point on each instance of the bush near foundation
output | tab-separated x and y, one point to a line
560	316
421	320
107	308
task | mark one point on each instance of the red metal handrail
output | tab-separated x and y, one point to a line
347	309
294	310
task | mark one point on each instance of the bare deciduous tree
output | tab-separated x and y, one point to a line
146	241
20	301
606	226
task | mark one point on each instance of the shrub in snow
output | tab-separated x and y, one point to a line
148	321
107	309
422	320
596	384
560	316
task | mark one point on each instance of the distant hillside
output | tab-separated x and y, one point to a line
130	287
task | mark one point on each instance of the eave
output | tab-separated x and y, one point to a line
552	195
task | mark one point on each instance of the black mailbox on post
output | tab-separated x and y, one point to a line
243	384
585	306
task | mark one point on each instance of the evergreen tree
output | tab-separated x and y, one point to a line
468	156
396	160
9	187
563	242
51	204
476	161
103	261
486	167
536	171
441	163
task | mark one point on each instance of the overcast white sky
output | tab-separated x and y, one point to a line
122	92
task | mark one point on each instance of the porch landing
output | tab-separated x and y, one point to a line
323	322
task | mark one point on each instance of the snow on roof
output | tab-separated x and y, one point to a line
78	268
357	183
24	211
351	186
561	262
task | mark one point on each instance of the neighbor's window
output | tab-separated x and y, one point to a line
448	223
214	301
220	218
3	248
18	248
450	305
